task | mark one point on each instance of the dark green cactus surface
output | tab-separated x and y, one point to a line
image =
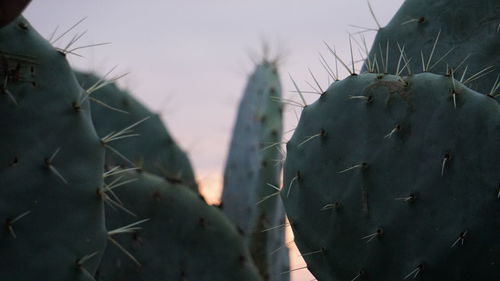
153	149
51	164
253	167
468	41
183	239
400	181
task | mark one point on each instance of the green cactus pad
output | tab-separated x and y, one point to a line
253	167
154	150
401	181
51	164
184	238
469	41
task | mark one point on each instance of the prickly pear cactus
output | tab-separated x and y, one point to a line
182	239
153	149
252	170
440	36
51	164
399	182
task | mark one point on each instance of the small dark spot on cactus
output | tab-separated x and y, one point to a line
78	263
360	274
380	232
324	251
242	259
240	231
183	275
220	206
447	156
97	275
337	205
263	119
364	200
411	198
14	161
202	222
322	133
274	133
46	162
8	223
364	166
23	25
137	239
107	166
100	193
272	90
76	106
264	163
157	195
421	19
379	77
125	102
61	53
369	99
34	84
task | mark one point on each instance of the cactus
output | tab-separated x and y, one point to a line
51	164
442	36
399	182
251	171
154	150
182	239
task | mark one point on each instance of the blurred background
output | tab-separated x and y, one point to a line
188	60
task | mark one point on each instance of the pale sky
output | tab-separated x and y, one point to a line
189	59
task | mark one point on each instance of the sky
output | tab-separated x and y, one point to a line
188	60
